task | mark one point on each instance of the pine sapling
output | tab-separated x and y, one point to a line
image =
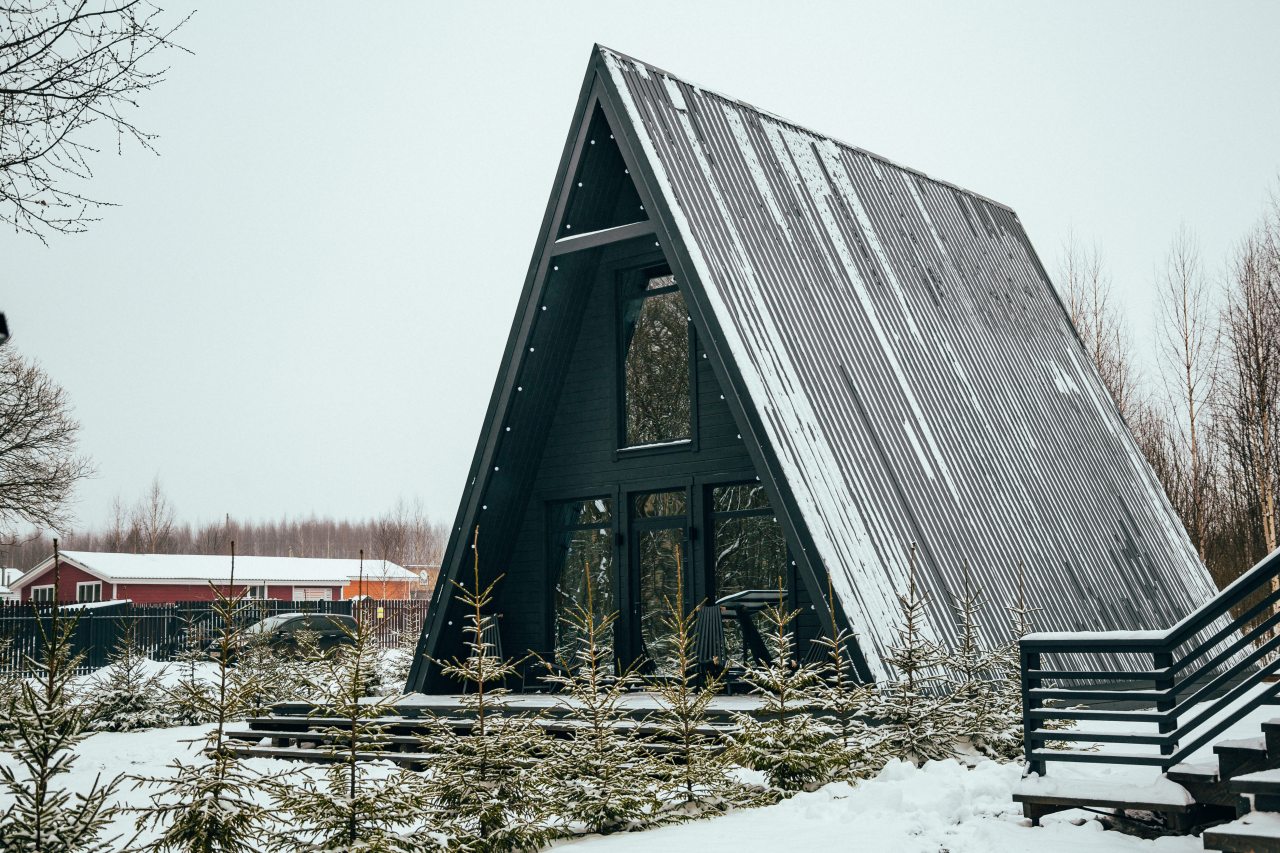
489	783
47	726
602	771
127	695
854	751
786	741
358	806
696	772
10	682
974	709
191	698
910	710
211	805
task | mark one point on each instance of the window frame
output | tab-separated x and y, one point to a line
711	516
41	599
626	279
83	585
551	530
249	592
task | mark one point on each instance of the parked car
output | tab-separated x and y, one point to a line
330	631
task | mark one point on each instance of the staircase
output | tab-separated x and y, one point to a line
1173	694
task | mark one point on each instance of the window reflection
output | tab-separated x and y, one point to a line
582	564
655	335
750	549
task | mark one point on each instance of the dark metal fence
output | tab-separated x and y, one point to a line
1193	680
162	631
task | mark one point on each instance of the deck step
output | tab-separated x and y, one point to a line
1271	731
1238	757
1204	773
1257	832
1258	782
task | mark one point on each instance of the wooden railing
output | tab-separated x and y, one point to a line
1191	681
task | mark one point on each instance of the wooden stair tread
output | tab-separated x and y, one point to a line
1250	744
1258	782
1188	771
1050	799
1256	832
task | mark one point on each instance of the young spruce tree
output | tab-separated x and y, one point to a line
192	699
358	806
854	751
46	725
602	772
211	805
911	710
488	783
695	767
786	741
125	695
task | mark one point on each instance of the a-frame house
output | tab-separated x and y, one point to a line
758	356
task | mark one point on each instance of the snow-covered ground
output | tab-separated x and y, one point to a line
943	806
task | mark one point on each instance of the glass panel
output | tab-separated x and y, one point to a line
656	369
751	553
660	563
661	504
658	282
586	513
740	497
582	564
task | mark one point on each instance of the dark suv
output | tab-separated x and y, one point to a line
330	631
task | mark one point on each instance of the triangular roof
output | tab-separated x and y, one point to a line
898	361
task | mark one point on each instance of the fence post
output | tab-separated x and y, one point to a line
1162	661
1028	662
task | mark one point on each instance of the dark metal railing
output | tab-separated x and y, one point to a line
1201	672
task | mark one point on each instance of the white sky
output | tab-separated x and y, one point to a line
300	306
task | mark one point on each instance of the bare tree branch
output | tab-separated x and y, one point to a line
65	66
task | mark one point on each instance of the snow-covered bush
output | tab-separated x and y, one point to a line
46	726
192	695
984	702
128	693
211	805
912	716
694	769
488	785
357	806
784	740
855	750
602	772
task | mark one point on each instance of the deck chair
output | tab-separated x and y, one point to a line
709	642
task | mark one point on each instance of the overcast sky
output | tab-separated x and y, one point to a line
300	305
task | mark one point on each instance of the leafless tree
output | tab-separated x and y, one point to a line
68	67
1187	347
1102	329
1249	413
39	466
153	521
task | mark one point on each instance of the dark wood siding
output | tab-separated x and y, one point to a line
580	456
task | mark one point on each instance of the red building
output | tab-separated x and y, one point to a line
85	576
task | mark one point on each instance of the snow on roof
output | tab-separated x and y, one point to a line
121	568
913	372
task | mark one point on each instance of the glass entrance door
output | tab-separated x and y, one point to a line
659	560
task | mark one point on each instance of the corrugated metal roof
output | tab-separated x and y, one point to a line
914	372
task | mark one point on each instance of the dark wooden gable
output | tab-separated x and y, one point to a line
550	431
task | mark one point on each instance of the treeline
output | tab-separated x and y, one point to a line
403	534
1207	416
